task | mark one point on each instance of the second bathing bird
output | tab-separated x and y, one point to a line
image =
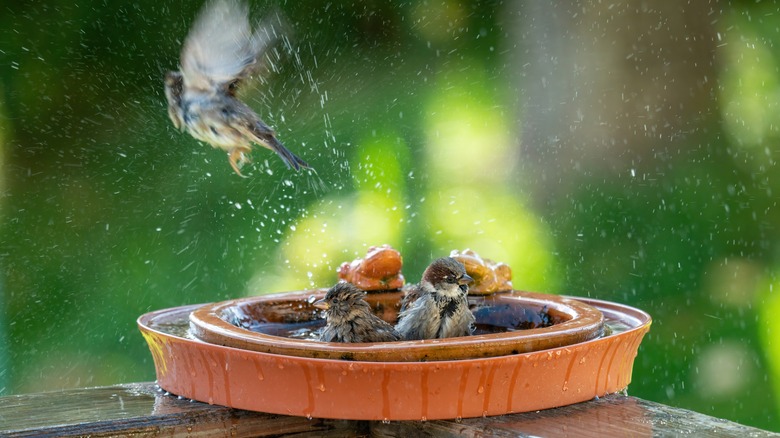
438	306
350	319
220	52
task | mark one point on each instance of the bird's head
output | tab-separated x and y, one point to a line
447	276
341	299
174	82
174	85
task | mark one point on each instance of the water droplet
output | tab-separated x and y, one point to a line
308	416
481	389
458	419
322	387
424	419
385	421
596	398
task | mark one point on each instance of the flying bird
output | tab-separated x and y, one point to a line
221	51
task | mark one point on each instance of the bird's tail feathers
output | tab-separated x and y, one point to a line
290	159
264	136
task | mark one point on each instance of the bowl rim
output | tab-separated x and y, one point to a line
642	320
586	323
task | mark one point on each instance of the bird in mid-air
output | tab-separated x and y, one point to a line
350	319
437	307
221	51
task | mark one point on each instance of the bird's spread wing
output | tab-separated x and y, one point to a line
221	48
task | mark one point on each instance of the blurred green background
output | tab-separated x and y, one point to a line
621	151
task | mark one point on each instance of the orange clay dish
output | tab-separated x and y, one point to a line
389	390
259	354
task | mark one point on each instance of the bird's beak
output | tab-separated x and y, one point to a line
465	279
321	304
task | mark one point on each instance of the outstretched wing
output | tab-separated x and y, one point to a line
221	48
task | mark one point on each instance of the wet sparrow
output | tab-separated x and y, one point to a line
437	307
350	318
220	52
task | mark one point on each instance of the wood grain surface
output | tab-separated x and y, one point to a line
142	409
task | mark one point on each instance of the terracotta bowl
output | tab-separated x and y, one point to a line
362	390
252	324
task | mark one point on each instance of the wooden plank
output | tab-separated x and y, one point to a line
612	416
142	410
615	415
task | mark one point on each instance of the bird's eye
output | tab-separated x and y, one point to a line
335	301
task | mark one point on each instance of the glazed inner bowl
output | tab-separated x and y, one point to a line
284	324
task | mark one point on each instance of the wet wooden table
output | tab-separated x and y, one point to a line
141	409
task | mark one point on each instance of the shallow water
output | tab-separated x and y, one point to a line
178	324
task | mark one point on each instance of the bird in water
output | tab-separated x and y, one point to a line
350	319
438	306
221	51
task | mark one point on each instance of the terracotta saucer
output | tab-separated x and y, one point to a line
228	323
362	390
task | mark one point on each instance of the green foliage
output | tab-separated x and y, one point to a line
412	115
